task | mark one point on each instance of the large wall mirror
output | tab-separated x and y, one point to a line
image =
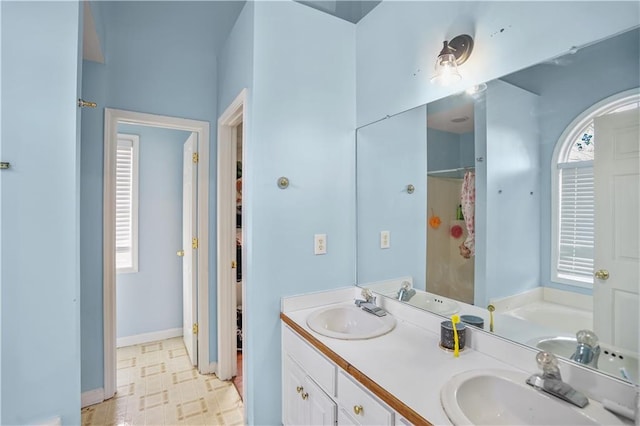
523	195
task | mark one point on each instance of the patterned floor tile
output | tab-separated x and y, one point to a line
157	386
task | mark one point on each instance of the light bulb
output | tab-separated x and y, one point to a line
446	70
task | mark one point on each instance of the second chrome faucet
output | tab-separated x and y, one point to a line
550	381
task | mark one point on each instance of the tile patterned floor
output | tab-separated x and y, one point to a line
158	386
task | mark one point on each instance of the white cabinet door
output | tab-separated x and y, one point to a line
303	401
292	388
321	410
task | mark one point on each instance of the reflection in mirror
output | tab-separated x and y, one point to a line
550	155
451	197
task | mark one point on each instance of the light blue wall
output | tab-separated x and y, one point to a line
302	127
150	300
467	149
511	165
443	149
575	88
91	186
391	154
235	64
148	68
40	313
95	6
1	217
398	41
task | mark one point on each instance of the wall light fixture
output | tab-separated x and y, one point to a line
453	53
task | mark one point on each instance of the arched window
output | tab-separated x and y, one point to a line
573	203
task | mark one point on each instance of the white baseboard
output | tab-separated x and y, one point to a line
54	421
148	337
91	397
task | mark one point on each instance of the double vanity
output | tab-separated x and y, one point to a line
342	364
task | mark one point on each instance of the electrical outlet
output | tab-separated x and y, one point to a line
320	243
385	239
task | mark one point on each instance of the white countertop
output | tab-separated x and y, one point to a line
407	362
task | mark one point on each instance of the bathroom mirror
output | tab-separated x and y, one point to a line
523	146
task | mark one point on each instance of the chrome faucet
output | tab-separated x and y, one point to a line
406	292
369	303
368	296
551	382
588	350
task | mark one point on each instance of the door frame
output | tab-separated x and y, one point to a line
227	143
111	119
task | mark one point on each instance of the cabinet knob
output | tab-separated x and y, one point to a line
180	253
305	396
358	409
299	389
602	274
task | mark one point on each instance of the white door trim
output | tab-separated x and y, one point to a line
227	344
111	119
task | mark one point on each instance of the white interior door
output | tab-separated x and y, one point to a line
189	244
617	230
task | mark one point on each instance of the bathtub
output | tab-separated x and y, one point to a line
563	318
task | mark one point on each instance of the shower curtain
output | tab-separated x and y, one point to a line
468	201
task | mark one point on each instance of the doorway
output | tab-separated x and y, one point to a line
199	298
231	241
237	380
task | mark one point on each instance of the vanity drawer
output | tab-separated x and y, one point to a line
313	362
362	406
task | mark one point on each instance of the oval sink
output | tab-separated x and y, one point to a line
502	397
349	323
434	303
617	363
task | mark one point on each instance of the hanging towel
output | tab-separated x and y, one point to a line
468	201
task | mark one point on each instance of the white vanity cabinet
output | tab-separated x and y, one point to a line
303	401
362	407
315	391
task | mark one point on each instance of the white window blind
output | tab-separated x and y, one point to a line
127	203
576	233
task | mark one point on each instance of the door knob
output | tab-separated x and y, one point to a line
180	253
602	274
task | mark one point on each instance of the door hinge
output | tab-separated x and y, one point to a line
86	104
195	328
194	243
195	157
234	264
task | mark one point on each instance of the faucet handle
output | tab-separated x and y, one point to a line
405	285
368	295
587	337
548	363
546	359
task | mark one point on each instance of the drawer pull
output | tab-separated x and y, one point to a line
358	409
305	396
299	389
